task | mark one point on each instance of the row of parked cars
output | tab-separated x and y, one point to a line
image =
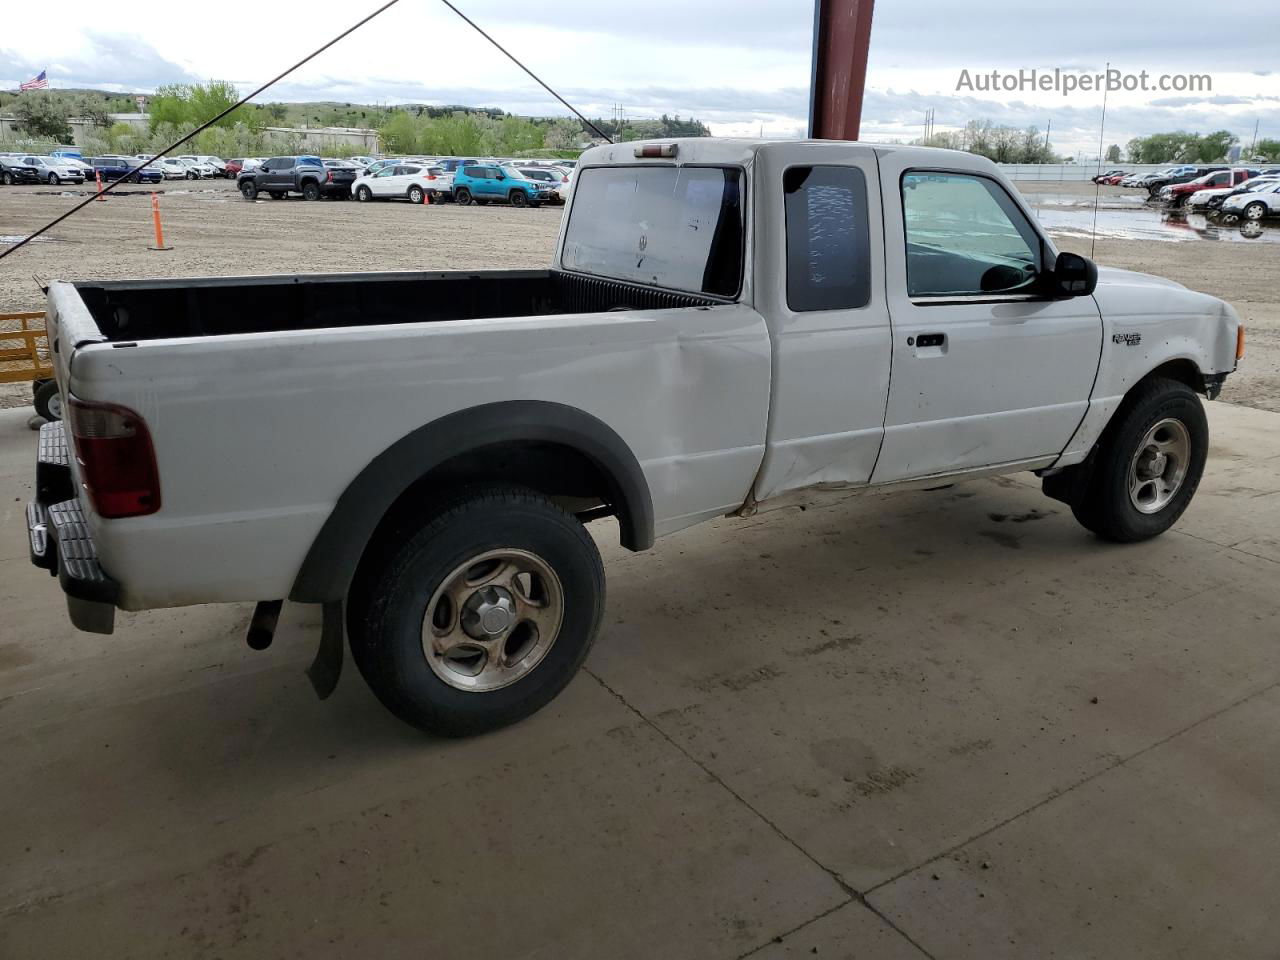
463	180
1244	192
69	167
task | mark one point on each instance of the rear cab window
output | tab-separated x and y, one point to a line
828	238
676	227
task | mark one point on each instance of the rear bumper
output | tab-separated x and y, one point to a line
59	539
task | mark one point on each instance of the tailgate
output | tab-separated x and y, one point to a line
69	325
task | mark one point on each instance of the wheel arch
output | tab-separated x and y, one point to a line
554	443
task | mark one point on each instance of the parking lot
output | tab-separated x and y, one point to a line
941	724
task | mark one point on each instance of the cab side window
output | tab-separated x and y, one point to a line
828	246
966	237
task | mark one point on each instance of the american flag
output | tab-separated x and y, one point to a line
38	82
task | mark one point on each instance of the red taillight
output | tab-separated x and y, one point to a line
431	176
564	179
330	176
117	460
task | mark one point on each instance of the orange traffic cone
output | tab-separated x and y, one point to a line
98	176
426	198
155	217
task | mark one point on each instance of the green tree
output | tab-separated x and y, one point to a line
1113	153
207	100
1214	146
1269	149
44	114
400	133
93	107
170	104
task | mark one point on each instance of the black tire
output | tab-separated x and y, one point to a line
135	179
54	180
311	190
249	190
389	601
48	401
463	197
1254	211
518	198
6	178
192	175
1106	507
363	193
416	194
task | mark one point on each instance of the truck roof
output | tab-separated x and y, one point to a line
742	150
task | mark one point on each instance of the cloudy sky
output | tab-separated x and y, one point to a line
740	65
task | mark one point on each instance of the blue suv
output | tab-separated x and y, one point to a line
482	183
117	168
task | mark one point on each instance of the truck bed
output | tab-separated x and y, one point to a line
132	310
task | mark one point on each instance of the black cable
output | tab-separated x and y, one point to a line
598	131
208	123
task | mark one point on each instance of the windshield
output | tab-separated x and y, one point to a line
676	227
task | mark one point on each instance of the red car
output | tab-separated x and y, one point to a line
233	167
1177	193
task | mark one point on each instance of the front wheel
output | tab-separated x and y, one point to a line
192	175
1148	465
519	198
481	614
54	180
249	190
463	197
6	178
416	195
1255	210
363	193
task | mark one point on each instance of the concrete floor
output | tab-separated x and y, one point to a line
943	724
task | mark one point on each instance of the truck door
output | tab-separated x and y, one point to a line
820	283
986	369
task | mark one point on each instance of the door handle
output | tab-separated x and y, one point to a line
928	340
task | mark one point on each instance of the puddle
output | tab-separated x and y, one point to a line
19	238
1143	222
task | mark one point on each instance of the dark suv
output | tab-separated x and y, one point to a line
13	170
281	176
117	168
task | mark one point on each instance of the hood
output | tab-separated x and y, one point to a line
1123	293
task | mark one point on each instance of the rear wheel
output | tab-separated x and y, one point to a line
311	191
1148	464
249	190
464	197
6	178
481	614
363	194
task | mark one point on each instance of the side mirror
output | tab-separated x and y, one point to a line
501	175
1073	276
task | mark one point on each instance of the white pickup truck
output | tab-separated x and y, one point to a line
726	323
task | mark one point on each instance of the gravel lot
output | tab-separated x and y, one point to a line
214	232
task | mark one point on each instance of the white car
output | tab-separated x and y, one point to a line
174	169
1263	202
409	181
1203	200
218	165
198	170
558	179
726	327
55	170
362	161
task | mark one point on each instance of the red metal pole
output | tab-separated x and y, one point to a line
841	39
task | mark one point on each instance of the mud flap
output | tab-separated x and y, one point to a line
326	668
1070	484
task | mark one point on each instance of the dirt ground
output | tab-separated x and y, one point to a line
213	232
